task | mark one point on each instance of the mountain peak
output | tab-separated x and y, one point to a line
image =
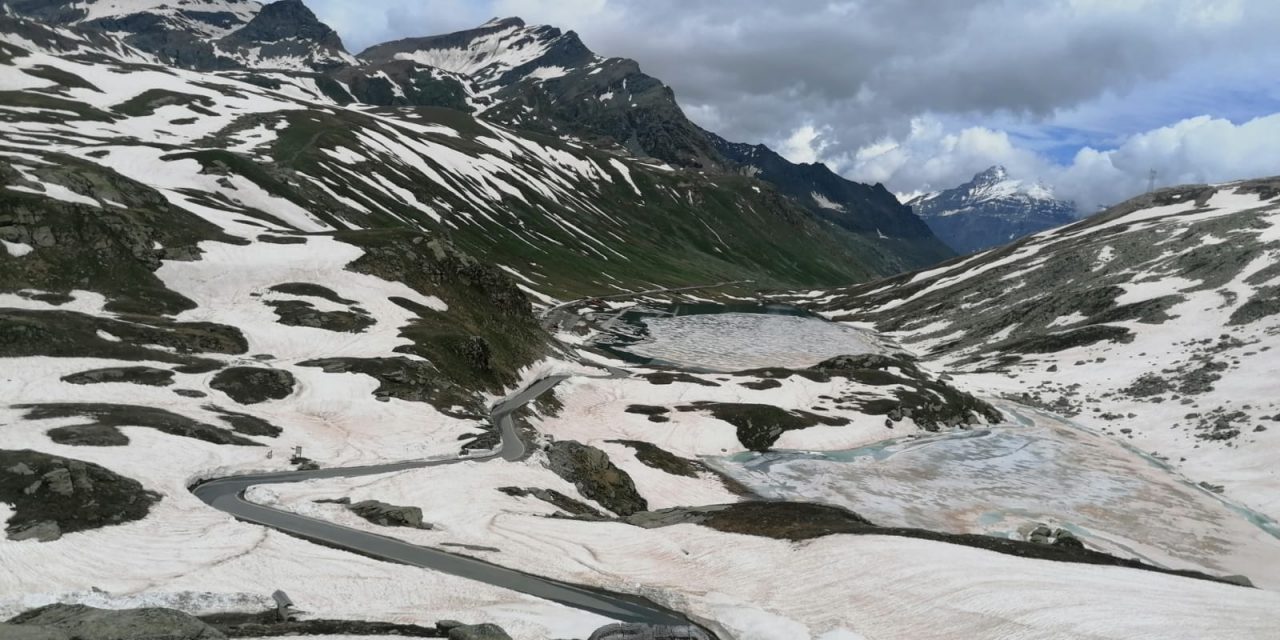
995	173
504	23
991	209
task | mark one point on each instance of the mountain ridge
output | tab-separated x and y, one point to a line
534	78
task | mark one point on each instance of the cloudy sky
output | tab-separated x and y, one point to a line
1087	96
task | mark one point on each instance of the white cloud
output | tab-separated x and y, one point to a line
1194	150
805	144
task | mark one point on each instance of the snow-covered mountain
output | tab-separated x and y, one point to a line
990	210
219	260
204	34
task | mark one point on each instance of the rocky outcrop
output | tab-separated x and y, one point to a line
52	496
80	622
649	632
389	515
760	425
150	376
556	499
409	380
299	313
253	385
1043	534
595	476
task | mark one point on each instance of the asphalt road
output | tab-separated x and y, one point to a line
227	494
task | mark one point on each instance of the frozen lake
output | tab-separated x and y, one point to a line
739	341
999	481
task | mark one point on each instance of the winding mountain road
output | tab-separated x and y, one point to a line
227	495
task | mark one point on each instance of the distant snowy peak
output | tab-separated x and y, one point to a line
991	209
993	186
496	54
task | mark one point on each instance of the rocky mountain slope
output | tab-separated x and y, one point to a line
991	210
1156	321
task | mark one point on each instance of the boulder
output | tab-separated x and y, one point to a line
389	515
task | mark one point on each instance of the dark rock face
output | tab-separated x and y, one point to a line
51	496
989	211
595	476
87	623
251	385
388	515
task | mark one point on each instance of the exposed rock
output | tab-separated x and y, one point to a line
409	380
388	515
652	456
595	476
648	632
245	423
267	624
760	425
44	531
103	431
669	377
252	385
87	623
656	414
131	375
556	499
31	632
311	290
52	496
298	313
486	631
1147	385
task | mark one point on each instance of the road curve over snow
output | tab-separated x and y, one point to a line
227	494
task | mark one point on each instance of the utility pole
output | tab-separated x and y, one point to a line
1151	181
